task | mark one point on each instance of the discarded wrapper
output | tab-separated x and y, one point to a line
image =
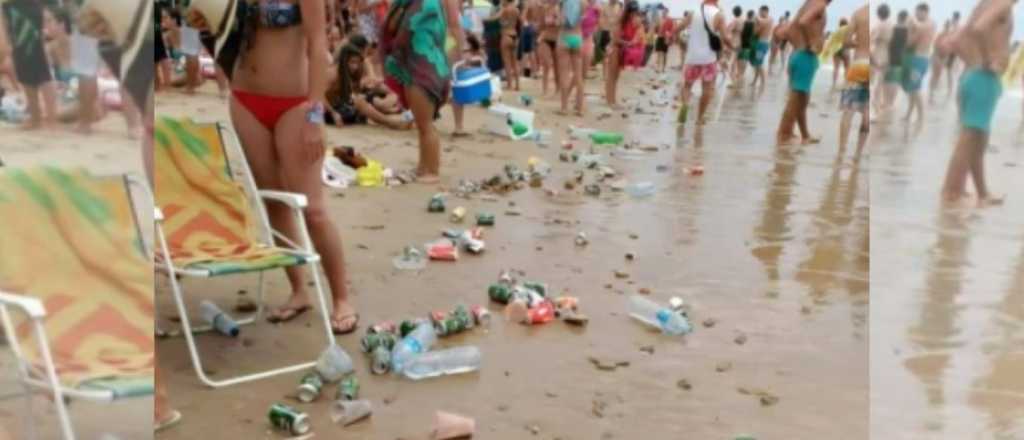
347	412
581	239
449	426
697	170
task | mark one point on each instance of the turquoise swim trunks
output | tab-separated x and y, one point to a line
916	67
803	65
978	95
759	53
572	41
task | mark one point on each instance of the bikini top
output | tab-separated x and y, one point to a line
277	14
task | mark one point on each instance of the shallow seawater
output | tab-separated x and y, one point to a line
947	307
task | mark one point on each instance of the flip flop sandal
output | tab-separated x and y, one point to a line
338	330
173	420
289	313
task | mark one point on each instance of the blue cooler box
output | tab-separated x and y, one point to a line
471	85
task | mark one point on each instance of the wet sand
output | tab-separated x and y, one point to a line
107	151
771	243
947	355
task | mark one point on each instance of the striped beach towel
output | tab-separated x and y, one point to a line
208	221
70	239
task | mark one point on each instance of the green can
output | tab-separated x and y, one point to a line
348	389
541	289
484	219
499	293
380	360
451	325
310	387
288	419
436	204
372	341
406	327
463	313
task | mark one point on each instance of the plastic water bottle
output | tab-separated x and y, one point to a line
334	363
220	321
418	341
641	189
656	315
580	133
456	360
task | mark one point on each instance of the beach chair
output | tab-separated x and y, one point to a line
76	287
211	222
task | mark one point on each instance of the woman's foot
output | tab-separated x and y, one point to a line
811	140
344	320
166	419
991	200
296	306
460	133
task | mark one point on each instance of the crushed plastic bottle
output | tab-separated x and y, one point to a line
641	189
456	360
606	138
410	259
334	363
655	315
216	317
419	341
542	138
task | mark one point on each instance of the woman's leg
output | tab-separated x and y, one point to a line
371	113
566	85
423	109
459	112
611	85
88	91
301	175
258	144
545	63
577	66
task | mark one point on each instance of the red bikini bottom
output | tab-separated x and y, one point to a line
267	109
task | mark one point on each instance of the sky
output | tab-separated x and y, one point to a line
943	9
838	8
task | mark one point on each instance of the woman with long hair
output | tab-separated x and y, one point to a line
623	36
570	57
413	44
509	19
353	99
588	26
549	44
278	85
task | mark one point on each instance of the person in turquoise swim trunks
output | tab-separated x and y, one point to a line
919	47
763	30
984	47
806	33
570	58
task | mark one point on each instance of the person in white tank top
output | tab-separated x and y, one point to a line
701	60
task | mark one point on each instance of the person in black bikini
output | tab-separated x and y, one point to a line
23	22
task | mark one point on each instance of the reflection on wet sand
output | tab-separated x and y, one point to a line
947	290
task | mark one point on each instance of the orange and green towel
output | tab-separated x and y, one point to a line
70	239
208	221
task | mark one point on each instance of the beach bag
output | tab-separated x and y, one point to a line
713	39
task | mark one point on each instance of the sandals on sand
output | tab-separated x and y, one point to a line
174	419
337	329
285	314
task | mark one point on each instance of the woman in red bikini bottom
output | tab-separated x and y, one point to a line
277	110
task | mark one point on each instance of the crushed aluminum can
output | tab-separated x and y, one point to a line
443	251
482	316
458	214
309	387
288	419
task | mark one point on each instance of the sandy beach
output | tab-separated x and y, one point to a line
772	244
